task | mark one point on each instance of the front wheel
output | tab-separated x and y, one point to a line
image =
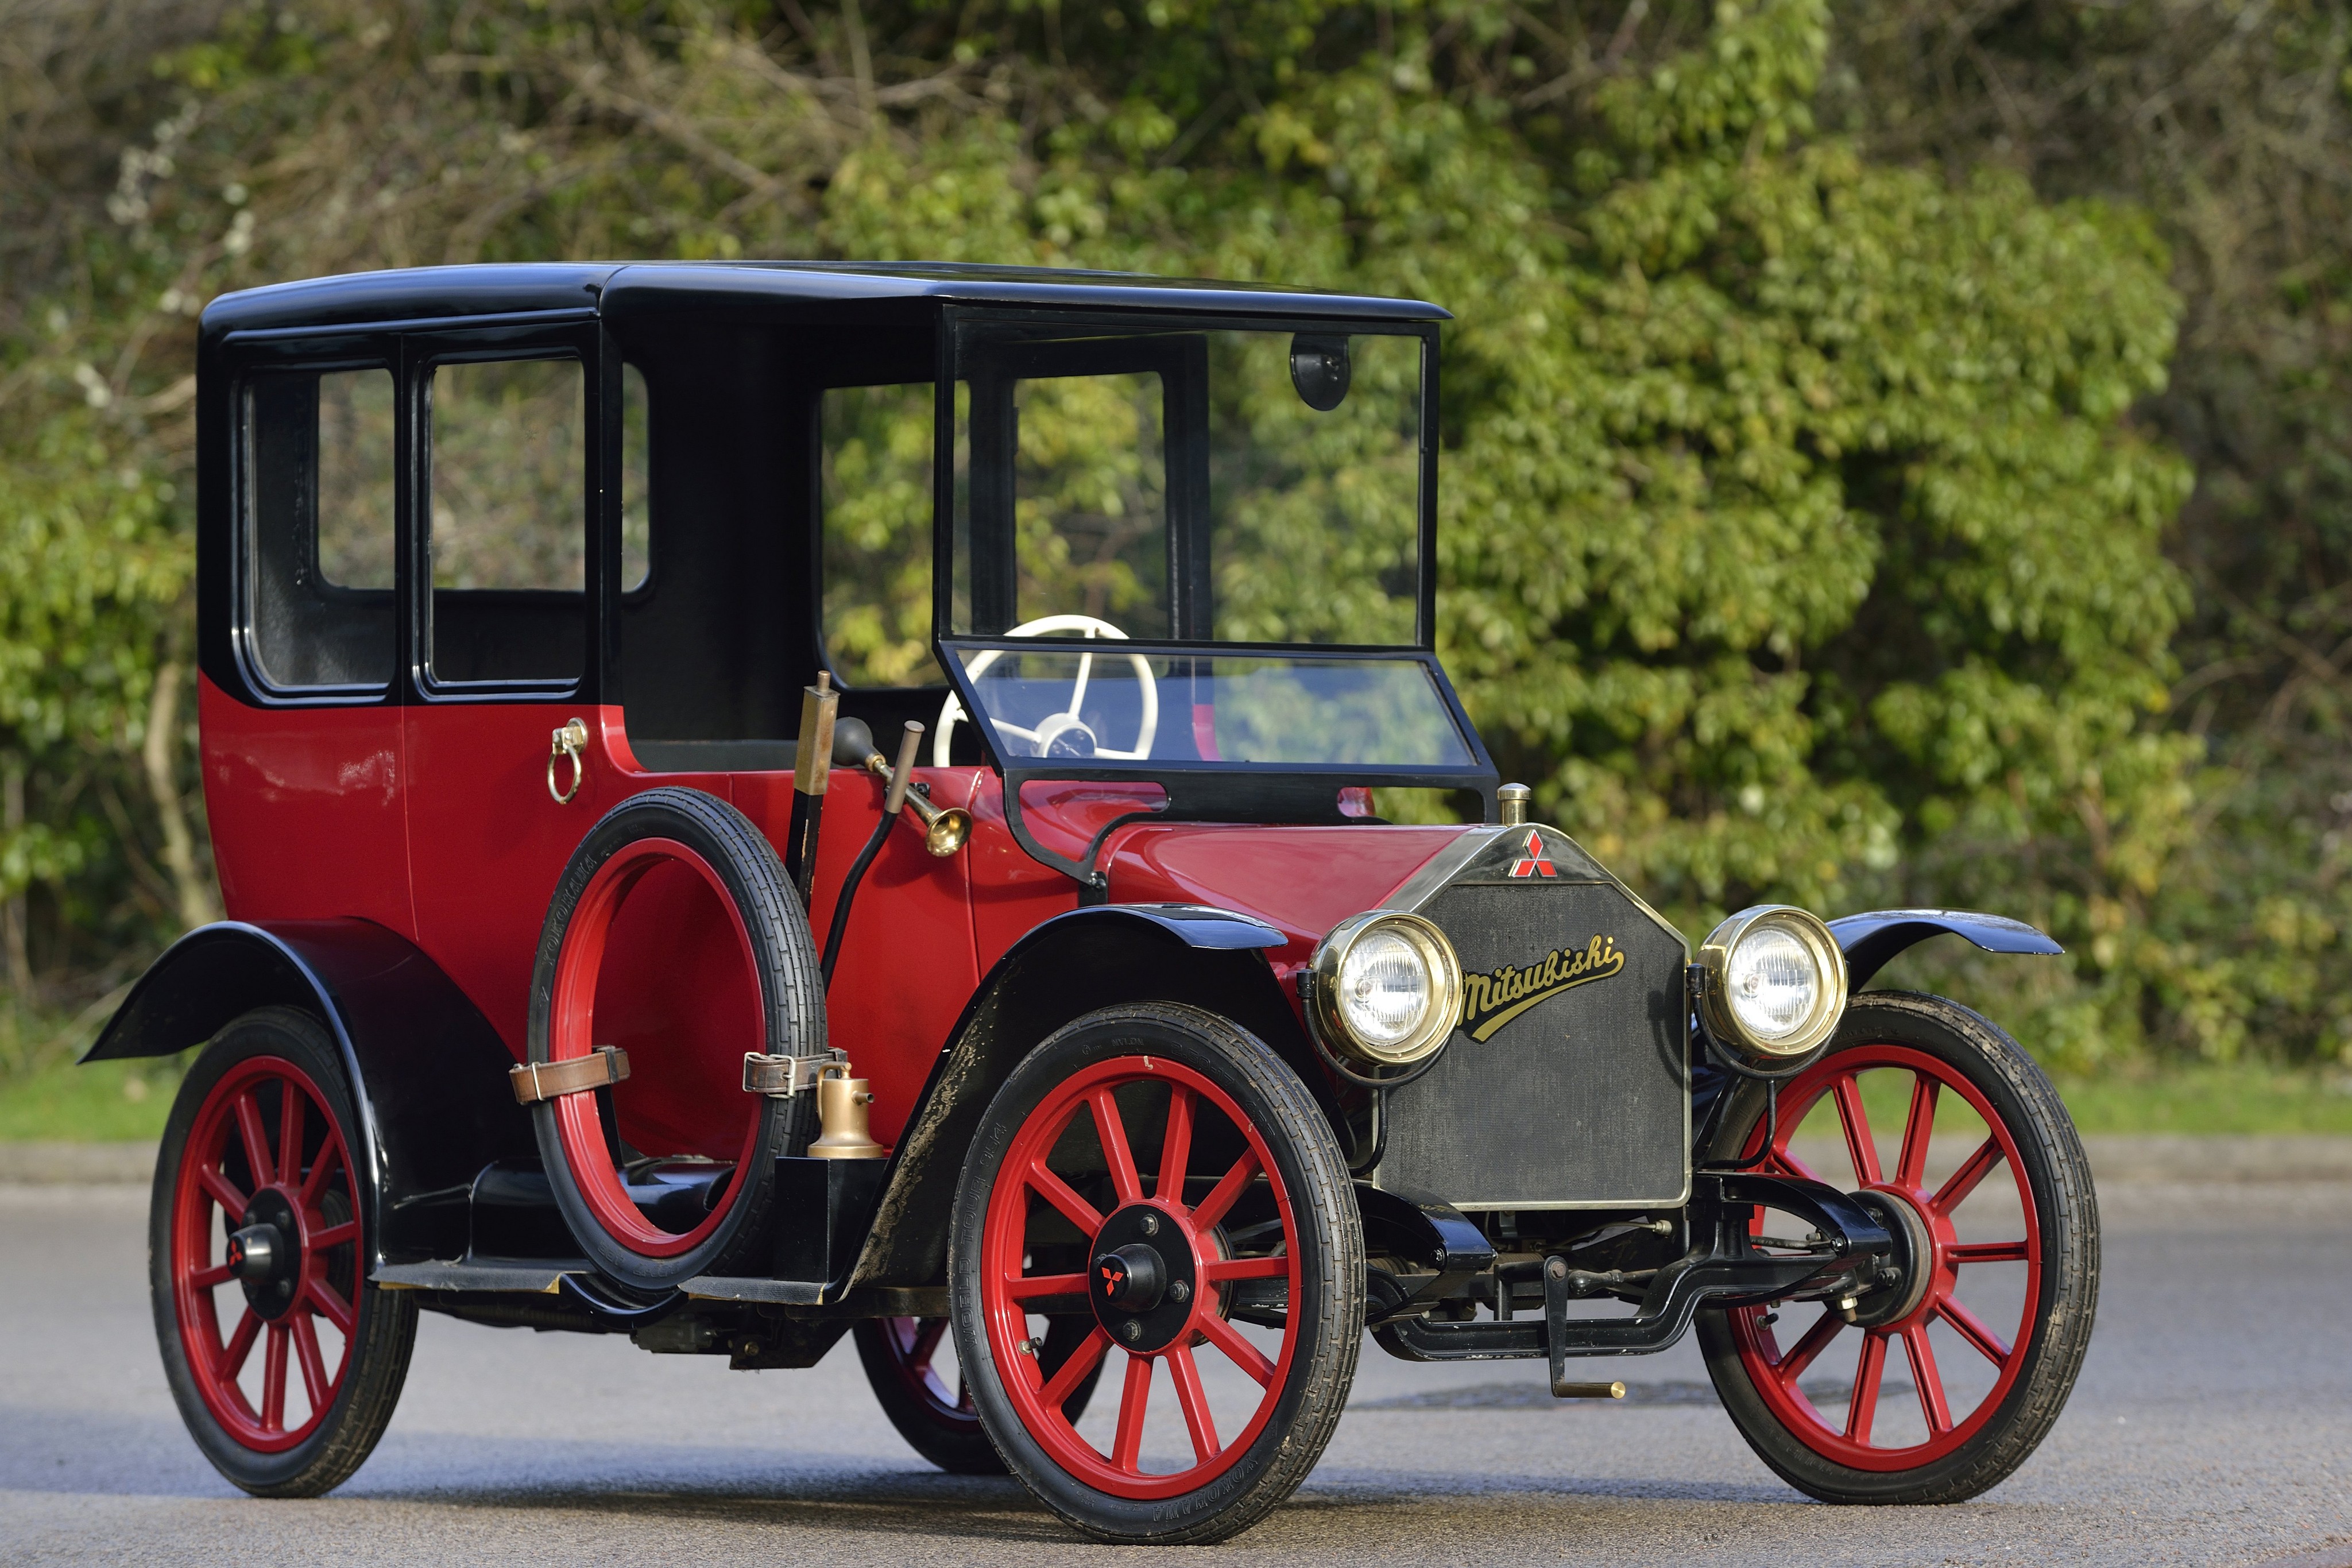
1939	1387
1165	1174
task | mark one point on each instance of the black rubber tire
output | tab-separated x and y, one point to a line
386	1320
961	1447
792	998
2066	1209
1331	1250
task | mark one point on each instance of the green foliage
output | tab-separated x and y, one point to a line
1801	540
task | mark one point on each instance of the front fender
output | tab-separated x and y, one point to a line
427	1071
1870	940
1065	968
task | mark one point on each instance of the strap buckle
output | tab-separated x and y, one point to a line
600	1069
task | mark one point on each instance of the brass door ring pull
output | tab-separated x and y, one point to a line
568	742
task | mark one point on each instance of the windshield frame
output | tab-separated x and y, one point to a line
959	325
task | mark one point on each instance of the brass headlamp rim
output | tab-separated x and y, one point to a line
1723	1020
1329	1020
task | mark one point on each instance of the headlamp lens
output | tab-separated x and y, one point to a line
1773	981
1385	986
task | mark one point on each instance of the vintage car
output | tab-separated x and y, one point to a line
765	802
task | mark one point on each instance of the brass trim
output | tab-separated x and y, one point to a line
571	741
1329	1019
1715	957
1511	804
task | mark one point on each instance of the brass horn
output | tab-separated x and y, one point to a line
945	828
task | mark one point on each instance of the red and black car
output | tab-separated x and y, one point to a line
764	802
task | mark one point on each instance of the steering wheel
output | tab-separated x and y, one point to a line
1061	734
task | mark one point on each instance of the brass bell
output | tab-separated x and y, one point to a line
841	1103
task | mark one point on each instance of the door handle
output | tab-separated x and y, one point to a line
568	743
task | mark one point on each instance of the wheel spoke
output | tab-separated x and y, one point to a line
1134	1401
1176	1146
290	1129
334	1235
1195	1401
1973	1330
314	1366
1985	1252
1074	1371
223	1192
256	1144
1862	1409
1857	1122
1963	1181
330	1156
206	1279
1808	1350
1228	1191
330	1304
926	1342
1911	1169
1116	1153
1020	1287
1223	1268
239	1345
1057	1192
273	1380
1242	1354
1930	1382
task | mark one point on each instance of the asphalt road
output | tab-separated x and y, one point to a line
2213	1424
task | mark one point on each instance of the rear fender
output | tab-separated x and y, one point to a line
427	1071
1068	966
1869	941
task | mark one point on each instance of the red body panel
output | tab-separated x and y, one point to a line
436	822
308	808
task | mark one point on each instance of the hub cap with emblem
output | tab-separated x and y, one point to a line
1191	1235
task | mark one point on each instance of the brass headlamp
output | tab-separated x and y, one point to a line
1775	983
1384	989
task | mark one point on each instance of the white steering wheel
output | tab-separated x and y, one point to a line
1064	726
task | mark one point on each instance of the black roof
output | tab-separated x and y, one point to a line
616	288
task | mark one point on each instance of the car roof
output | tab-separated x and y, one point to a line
618	288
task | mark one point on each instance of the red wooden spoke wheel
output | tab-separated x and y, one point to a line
909	1363
1167	1172
1941	1385
284	1360
263	1201
675	936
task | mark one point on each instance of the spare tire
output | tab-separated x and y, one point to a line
676	935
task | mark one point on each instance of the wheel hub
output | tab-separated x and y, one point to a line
1912	1263
1144	1278
266	1251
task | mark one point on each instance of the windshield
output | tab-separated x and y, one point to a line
1116	705
1189	486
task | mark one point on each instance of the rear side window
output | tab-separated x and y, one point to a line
508	529
319	462
875	491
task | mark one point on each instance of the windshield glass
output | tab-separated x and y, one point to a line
1258	486
1114	706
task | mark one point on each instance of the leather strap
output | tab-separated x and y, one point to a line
537	1081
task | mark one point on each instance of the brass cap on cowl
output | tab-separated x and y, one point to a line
1511	801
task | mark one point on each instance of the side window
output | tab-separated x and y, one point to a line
507	531
319	463
876	492
636	481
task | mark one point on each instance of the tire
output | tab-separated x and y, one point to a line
707	850
1969	1221
942	1425
1261	1221
327	1337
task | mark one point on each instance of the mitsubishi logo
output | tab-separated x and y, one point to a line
1533	863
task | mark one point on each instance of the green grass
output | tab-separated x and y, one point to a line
2240	1099
104	1103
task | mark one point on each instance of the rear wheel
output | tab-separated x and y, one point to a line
1187	1174
1937	1388
284	1361
910	1362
